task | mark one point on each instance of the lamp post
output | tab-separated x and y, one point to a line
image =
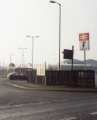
30	36
22	55
59	28
11	58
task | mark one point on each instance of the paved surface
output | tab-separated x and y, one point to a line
29	86
21	104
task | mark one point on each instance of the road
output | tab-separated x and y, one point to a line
18	104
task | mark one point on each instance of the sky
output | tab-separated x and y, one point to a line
19	18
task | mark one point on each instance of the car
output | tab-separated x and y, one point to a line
17	76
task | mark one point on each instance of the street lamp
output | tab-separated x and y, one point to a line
30	36
52	1
59	27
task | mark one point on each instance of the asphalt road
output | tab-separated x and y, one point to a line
18	104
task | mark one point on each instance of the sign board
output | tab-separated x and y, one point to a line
68	54
41	69
84	41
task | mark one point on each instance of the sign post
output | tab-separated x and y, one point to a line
72	56
68	54
84	43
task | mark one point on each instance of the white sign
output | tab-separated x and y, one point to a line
41	69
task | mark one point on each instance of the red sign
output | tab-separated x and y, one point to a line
84	37
84	41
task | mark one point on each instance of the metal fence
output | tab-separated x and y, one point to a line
76	78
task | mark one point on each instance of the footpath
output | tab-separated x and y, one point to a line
29	86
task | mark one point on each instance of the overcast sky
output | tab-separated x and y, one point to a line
19	18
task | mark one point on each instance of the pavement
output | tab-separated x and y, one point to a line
29	86
24	103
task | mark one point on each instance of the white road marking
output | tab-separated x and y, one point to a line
19	86
22	105
93	113
16	113
70	118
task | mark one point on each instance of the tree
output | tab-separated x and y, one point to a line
11	65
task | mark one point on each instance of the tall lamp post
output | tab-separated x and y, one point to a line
30	36
59	28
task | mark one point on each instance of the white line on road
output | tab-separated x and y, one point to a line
70	118
22	105
93	113
19	86
13	114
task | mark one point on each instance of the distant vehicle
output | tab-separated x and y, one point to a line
17	76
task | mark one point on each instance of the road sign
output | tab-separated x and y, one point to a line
68	54
84	36
84	41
